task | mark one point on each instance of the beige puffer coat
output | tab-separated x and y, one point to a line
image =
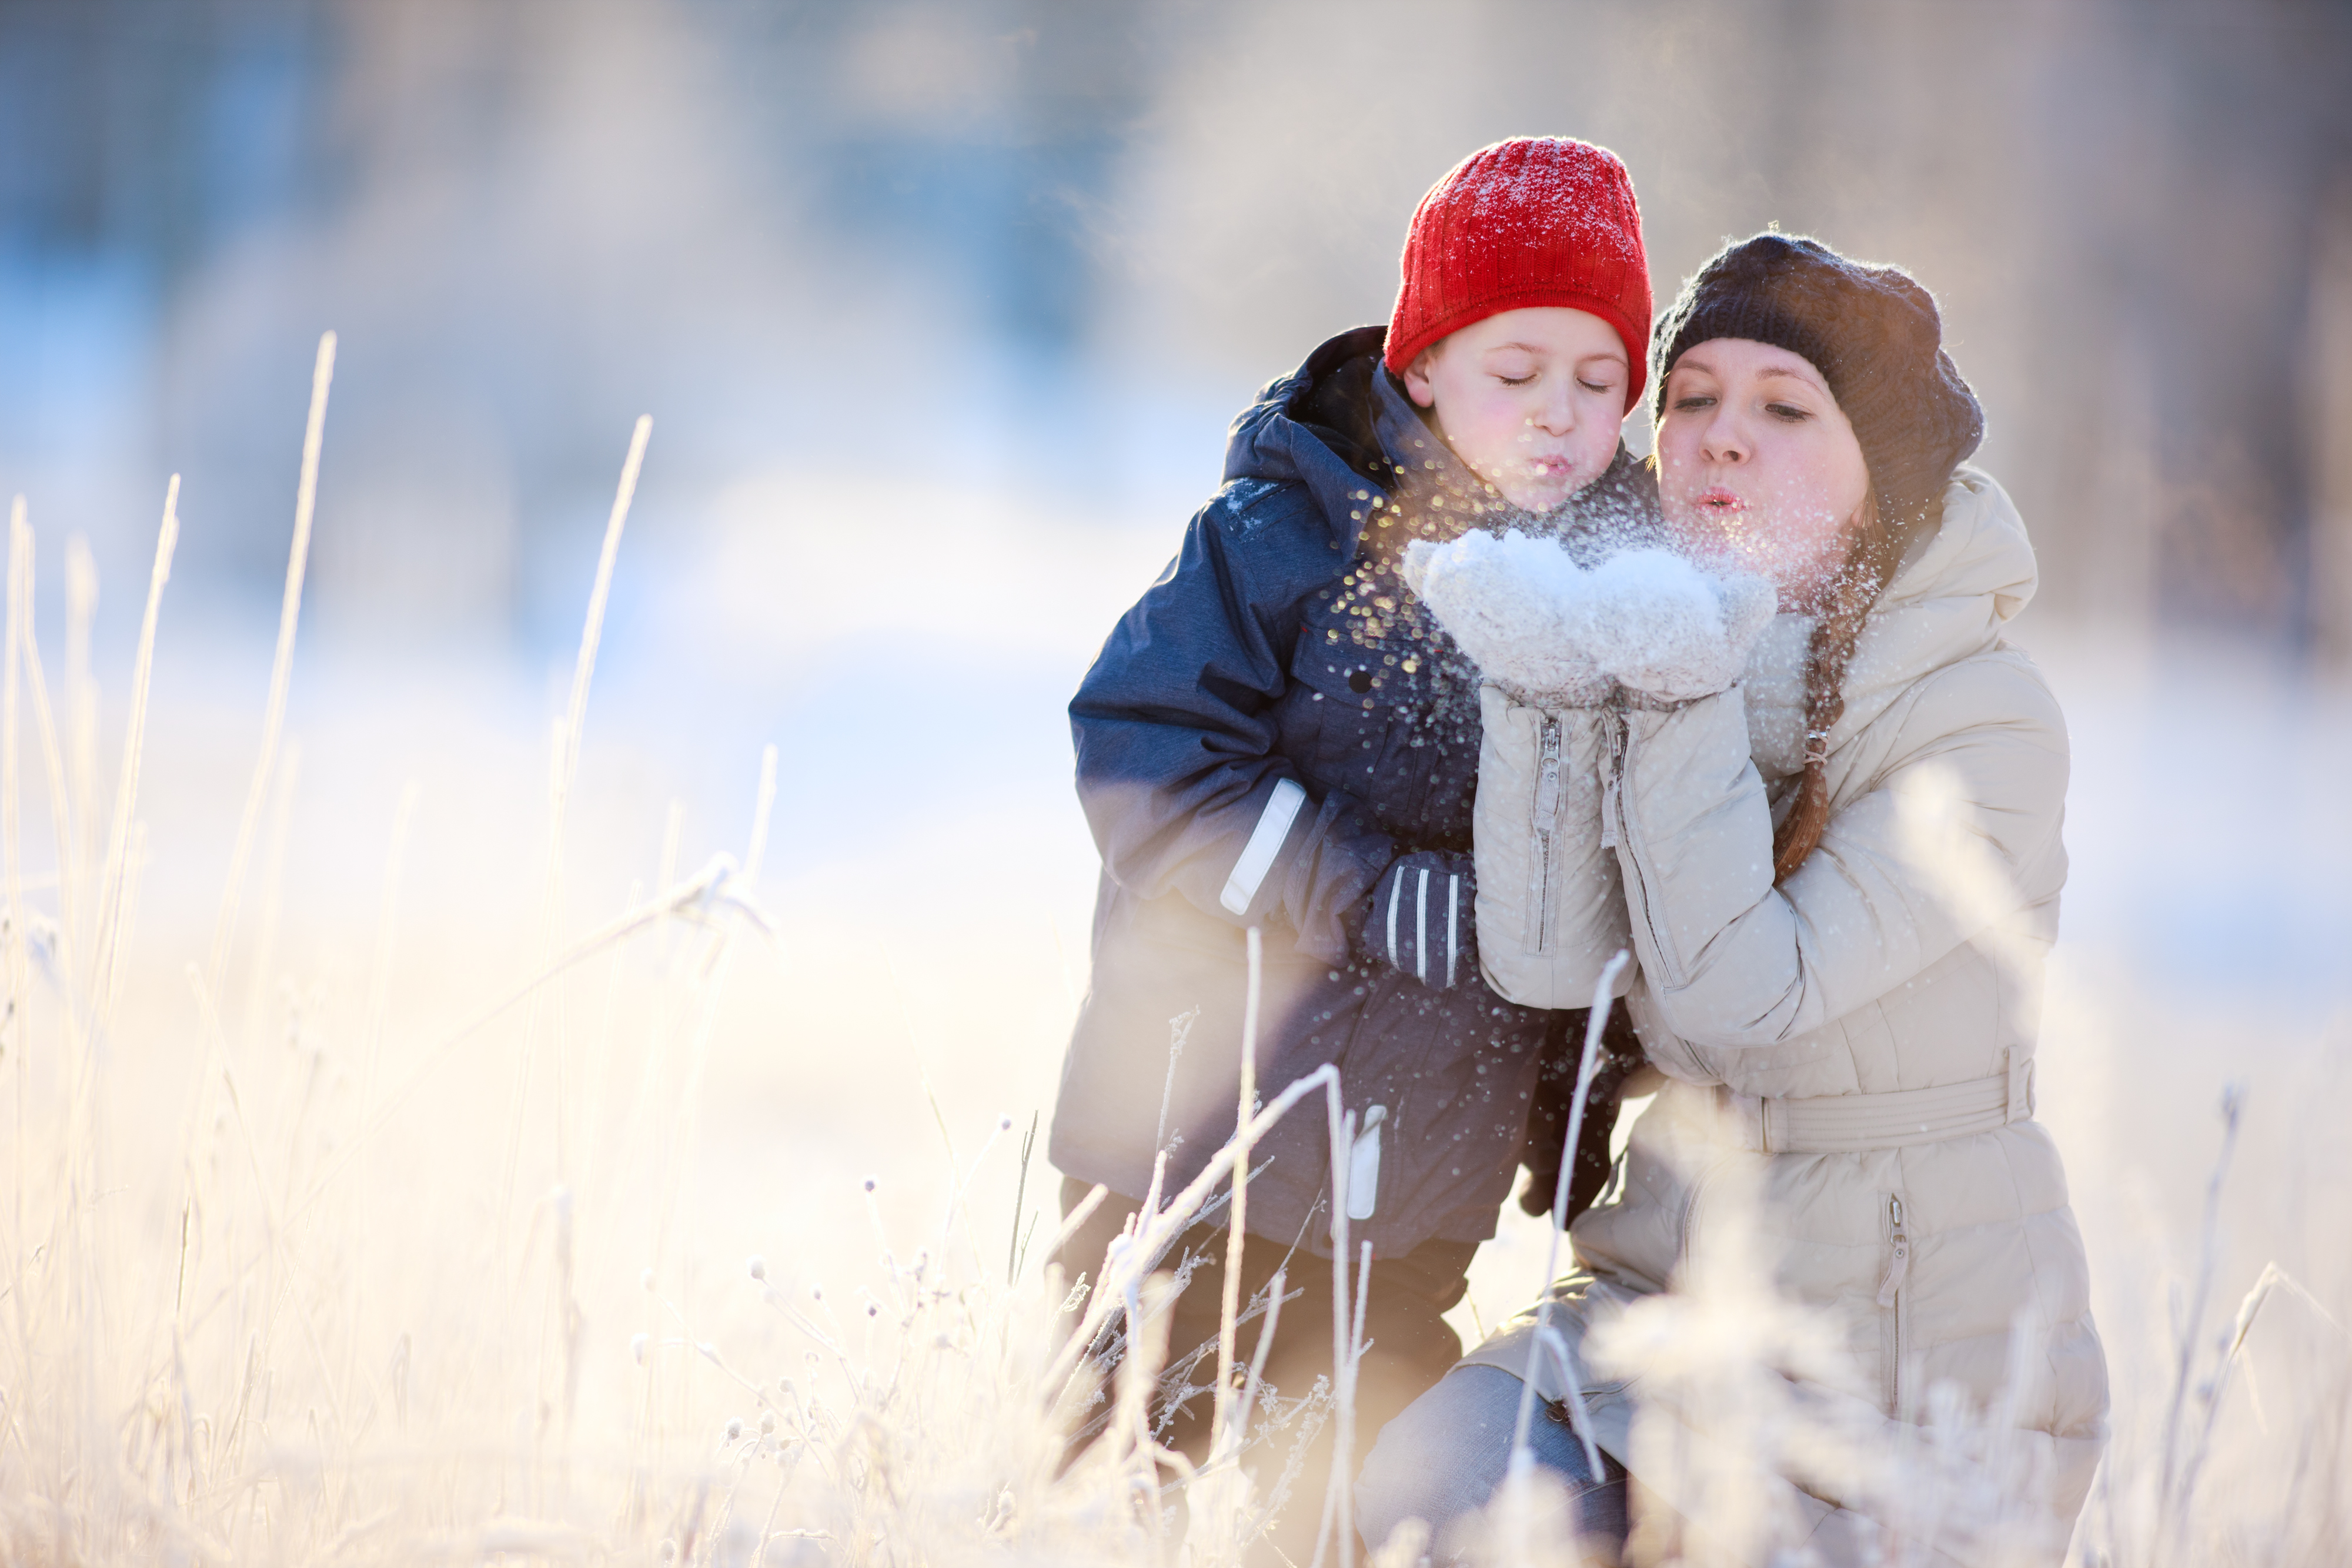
1850	1054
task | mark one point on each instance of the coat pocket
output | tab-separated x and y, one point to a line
1551	907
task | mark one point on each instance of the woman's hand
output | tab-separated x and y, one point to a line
1662	627
1558	636
1506	599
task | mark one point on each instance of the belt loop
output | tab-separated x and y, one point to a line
2020	1085
1747	1115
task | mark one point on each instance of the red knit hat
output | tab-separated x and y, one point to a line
1537	220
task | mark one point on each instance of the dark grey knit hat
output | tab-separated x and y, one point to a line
1872	332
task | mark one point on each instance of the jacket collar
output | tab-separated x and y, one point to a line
1947	602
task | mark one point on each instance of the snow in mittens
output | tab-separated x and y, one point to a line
1558	634
1507	600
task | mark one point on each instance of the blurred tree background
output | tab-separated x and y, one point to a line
1049	246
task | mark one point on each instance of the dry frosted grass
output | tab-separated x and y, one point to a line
474	1180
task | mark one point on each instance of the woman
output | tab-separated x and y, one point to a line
1841	873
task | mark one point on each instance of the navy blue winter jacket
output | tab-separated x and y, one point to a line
1273	723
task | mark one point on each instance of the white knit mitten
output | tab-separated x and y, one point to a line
1508	600
1667	628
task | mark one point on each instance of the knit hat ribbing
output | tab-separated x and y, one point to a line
1534	221
1874	334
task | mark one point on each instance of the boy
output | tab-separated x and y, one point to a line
1280	734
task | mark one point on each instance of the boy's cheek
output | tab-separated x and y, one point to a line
1614	407
1597	444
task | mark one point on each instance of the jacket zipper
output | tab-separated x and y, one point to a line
1620	748
1546	824
1892	1298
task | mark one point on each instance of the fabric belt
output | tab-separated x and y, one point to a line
1853	1123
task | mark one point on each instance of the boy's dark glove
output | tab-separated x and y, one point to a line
1418	919
1621	1056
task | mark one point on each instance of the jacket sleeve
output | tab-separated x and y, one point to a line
1958	833
1551	912
1175	730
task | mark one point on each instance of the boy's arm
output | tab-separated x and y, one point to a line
1175	730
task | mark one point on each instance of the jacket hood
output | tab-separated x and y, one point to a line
1313	427
1948	599
1981	550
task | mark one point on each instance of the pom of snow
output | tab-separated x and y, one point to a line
1534	620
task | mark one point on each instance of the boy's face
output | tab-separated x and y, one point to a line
1531	400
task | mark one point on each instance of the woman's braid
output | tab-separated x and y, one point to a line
1868	564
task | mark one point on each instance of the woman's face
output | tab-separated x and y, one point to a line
1757	468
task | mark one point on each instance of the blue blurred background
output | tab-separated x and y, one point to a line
1053	246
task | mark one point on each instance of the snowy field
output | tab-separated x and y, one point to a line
306	1267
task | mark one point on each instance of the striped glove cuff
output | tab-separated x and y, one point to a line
1419	922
